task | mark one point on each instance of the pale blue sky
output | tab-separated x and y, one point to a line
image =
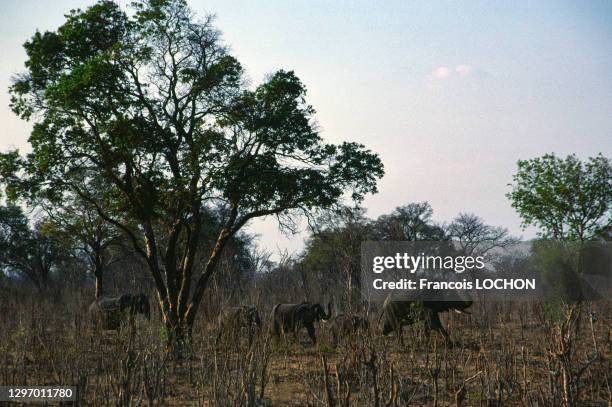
449	94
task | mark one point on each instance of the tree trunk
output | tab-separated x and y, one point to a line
99	291
191	310
176	336
567	330
98	273
178	314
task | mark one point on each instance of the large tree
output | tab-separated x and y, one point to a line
151	101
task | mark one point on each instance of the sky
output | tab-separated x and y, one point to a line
449	94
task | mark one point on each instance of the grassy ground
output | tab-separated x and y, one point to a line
504	355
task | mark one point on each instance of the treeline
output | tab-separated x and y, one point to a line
75	249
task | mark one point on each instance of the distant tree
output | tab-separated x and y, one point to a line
29	252
566	199
333	252
412	222
476	237
98	242
152	102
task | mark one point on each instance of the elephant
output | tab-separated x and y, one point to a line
287	318
108	313
344	325
396	314
234	320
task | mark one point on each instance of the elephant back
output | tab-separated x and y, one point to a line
109	304
106	312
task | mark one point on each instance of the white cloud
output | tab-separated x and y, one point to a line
441	72
445	72
463	70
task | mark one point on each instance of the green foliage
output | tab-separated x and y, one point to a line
412	222
155	104
554	310
14	228
573	270
564	198
10	164
28	251
163	333
557	264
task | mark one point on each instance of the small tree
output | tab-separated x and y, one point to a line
476	237
412	222
153	104
567	199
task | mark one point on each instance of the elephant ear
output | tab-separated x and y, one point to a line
316	309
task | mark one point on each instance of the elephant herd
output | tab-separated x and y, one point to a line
108	313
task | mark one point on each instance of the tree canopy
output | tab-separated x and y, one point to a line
564	198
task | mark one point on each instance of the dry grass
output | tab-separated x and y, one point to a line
505	356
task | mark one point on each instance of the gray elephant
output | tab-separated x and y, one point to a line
290	318
108	313
345	325
238	320
397	314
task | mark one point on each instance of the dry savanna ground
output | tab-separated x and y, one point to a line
506	355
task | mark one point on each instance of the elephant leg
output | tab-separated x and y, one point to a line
282	332
436	325
218	338
219	333
94	330
311	333
296	331
95	323
397	328
250	335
